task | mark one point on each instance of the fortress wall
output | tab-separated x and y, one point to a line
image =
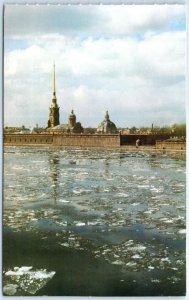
173	145
80	140
77	140
25	139
90	140
146	139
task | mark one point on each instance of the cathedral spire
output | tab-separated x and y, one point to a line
54	108
54	86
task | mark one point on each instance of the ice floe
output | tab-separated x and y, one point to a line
10	289
80	224
136	256
18	271
155	280
90	202
131	264
117	262
29	280
63	201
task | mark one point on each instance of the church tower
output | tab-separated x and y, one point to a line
54	108
72	119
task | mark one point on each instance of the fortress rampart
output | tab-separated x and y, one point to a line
75	140
82	140
173	145
92	140
25	139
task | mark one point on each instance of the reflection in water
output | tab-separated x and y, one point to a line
54	174
106	167
122	213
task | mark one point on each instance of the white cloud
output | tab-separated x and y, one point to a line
86	20
139	18
122	74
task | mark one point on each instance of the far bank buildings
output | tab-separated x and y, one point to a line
54	126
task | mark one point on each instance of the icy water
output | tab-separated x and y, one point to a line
93	222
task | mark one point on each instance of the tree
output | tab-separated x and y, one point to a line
133	130
178	130
90	130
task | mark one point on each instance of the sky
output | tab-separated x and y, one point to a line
127	59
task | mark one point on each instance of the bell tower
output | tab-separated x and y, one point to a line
72	119
54	108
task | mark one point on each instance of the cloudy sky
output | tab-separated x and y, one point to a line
129	60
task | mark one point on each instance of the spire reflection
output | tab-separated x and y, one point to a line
54	174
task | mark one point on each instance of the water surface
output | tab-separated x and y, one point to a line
93	222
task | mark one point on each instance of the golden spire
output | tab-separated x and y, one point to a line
54	86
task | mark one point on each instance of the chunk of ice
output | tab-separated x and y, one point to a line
92	223
136	256
165	259
131	264
18	271
117	262
30	281
63	201
155	280
137	248
10	289
124	195
64	244
80	224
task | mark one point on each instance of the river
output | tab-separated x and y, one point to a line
93	222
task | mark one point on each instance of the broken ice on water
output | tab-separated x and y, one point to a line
27	279
91	202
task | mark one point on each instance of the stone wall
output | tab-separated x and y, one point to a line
173	145
77	140
90	140
82	140
25	139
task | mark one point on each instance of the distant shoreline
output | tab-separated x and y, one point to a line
112	141
124	147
